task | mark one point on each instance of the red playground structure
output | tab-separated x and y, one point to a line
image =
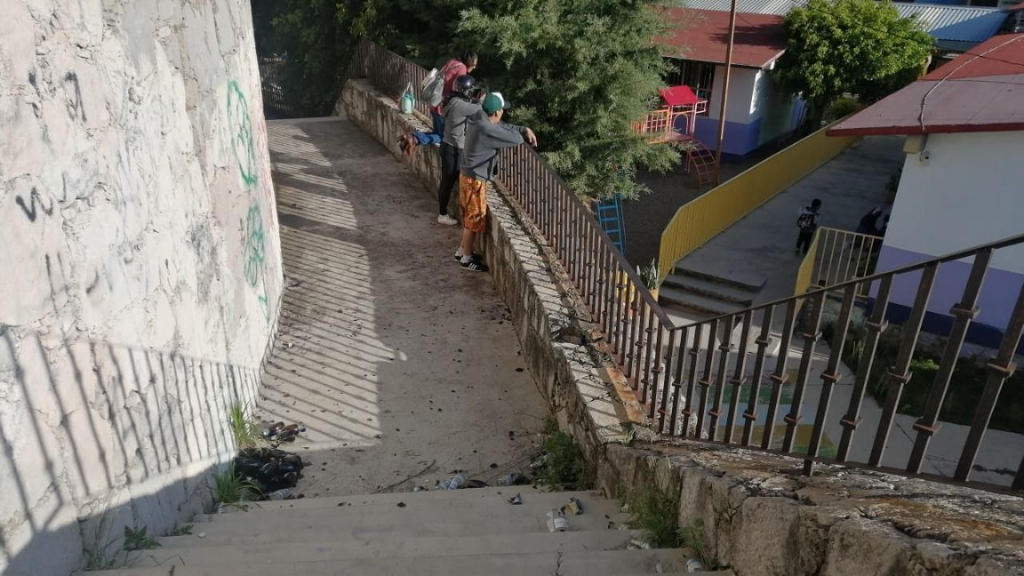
676	122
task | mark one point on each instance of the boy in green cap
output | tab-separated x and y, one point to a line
486	135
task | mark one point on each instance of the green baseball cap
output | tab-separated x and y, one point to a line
494	102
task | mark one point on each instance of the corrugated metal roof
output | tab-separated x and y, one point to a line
956	23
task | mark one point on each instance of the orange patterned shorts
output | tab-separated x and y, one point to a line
473	202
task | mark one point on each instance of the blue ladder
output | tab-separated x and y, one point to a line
609	216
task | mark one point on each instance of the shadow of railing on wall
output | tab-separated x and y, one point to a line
96	436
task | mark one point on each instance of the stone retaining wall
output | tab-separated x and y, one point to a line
761	517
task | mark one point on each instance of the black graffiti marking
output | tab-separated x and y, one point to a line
75	107
30	211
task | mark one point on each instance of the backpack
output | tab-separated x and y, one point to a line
805	221
432	88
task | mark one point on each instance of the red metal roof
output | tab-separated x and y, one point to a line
702	35
678	96
981	91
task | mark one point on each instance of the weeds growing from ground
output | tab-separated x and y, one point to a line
230	488
561	464
138	539
692	537
245	430
655	515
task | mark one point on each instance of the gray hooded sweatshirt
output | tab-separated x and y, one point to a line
456	116
483	141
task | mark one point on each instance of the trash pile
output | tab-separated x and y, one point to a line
272	471
458	481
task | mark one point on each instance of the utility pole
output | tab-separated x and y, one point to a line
725	93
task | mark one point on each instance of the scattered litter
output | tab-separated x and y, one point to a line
419	489
494	466
574	507
282	494
278	432
401	504
557	521
625	508
516	500
637	544
694	565
202	534
453	483
513	479
473	483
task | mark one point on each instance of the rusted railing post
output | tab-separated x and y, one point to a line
964	313
705	382
779	375
999	369
692	379
723	366
830	376
811	335
738	376
875	326
763	340
899	374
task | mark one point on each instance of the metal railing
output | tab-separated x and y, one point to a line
703	218
682	373
836	256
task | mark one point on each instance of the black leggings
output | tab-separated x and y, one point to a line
449	176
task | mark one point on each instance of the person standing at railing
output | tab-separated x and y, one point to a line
486	136
807	223
464	103
451	71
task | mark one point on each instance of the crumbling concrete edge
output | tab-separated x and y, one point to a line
755	532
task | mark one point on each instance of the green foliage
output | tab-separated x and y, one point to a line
649	274
579	73
138	539
843	107
245	430
965	387
692	537
316	37
562	465
858	46
656	515
229	487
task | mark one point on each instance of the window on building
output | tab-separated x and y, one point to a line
699	76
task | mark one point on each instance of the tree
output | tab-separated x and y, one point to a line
862	47
579	72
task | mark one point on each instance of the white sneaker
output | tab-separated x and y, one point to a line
447	220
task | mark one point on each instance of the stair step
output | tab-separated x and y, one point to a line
750	283
327	547
704	287
589	563
698	302
420	517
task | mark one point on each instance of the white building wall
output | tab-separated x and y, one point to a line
970	191
742	88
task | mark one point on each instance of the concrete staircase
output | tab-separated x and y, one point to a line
691	290
464	532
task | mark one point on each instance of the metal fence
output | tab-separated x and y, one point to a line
836	256
693	379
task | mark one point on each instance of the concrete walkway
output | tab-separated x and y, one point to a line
760	246
399	363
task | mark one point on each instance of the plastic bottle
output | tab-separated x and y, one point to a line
281	494
408	100
453	483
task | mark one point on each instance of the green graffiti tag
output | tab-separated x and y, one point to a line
241	134
244	148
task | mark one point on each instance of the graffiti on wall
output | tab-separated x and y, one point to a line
243	146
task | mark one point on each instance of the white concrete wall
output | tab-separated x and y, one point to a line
742	87
970	191
140	265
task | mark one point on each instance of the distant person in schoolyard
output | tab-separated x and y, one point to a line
463	104
869	222
452	70
486	136
807	223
